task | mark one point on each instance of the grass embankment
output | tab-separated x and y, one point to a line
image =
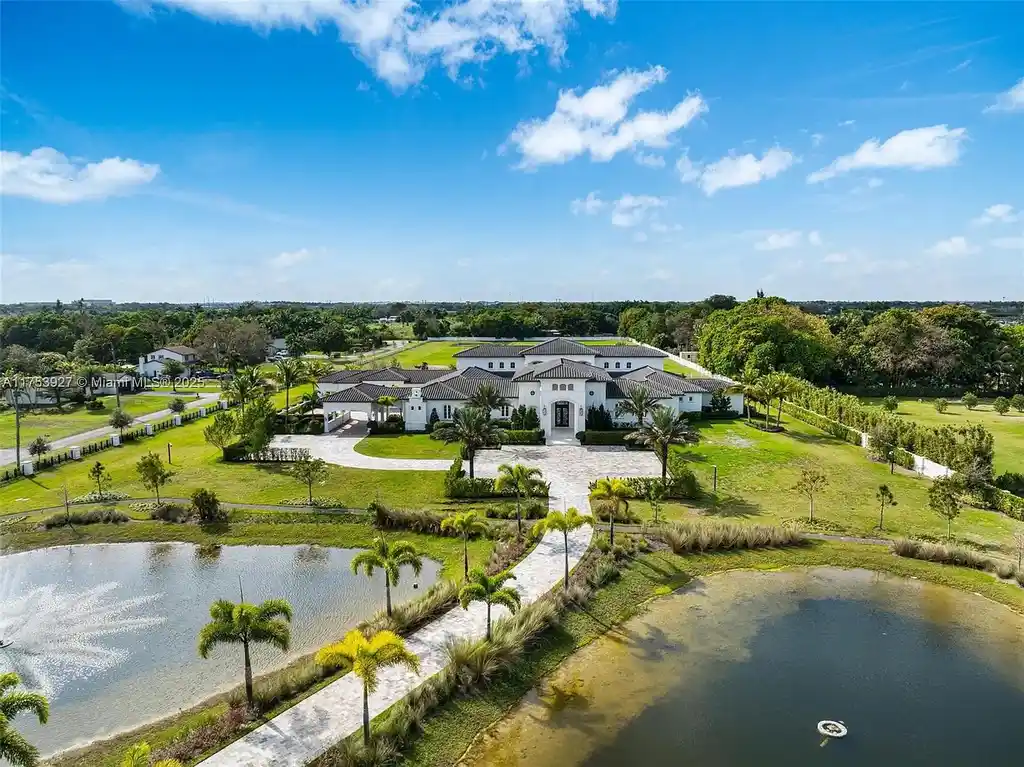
74	419
674	367
451	729
1007	430
757	471
406	446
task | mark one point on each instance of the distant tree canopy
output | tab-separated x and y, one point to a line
766	334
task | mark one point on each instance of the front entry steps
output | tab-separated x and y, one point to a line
562	437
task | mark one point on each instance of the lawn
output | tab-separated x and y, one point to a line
406	446
442	353
672	366
757	471
1007	430
74	419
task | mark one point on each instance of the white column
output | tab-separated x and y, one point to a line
115	440
149	429
76	453
202	412
176	420
28	468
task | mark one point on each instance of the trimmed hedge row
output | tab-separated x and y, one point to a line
523	437
595	437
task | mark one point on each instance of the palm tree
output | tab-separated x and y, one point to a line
565	524
368	657
386	402
16	390
139	756
665	429
465	524
473	428
244	386
777	386
288	373
310	401
246	624
487	398
524	481
389	557
751	389
615	494
13	745
638	404
491	590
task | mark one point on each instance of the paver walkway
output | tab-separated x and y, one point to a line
7	454
327	717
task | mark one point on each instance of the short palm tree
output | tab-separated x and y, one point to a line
778	386
385	403
246	624
311	401
465	524
638	403
565	523
367	657
522	480
140	754
666	428
615	494
751	390
245	386
290	372
13	745
491	590
388	557
487	398
472	427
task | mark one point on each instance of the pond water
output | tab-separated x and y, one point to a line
104	679
739	668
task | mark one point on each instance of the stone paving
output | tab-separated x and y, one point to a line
327	717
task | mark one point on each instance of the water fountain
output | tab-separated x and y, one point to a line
50	637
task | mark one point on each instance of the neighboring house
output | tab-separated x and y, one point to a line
101	385
152	365
276	346
561	378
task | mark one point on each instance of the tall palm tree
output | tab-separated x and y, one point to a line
386	402
472	427
139	756
751	390
615	494
13	745
247	624
368	657
638	403
524	481
666	428
487	398
245	386
290	372
465	524
11	383
777	386
388	557
491	590
556	521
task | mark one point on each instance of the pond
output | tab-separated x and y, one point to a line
110	630
739	668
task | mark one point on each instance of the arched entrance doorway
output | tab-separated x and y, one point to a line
562	416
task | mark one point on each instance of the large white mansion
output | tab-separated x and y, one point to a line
561	378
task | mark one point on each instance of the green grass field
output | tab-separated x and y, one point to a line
1007	430
757	471
675	367
53	425
406	446
442	353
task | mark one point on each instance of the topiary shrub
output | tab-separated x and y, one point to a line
207	506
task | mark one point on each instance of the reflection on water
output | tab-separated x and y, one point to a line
162	673
739	668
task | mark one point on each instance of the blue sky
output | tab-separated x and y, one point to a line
189	150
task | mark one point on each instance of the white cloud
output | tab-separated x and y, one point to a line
290	258
48	176
589	206
1010	101
835	258
1001	212
630	210
649	160
779	240
961	66
814	238
1009	243
735	170
919	149
596	122
847	123
954	246
816	139
401	40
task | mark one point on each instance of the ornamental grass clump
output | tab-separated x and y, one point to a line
947	555
711	535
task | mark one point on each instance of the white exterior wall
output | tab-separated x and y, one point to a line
152	365
415	412
548	396
736	402
494	364
691	403
629	363
536	359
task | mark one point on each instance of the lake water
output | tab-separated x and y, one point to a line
739	668
159	671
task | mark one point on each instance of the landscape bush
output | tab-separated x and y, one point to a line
524	418
204	737
409	616
599	419
97	497
712	535
207	506
319	502
615	437
386	427
952	555
604	510
1012	482
95	404
93	517
536	510
167	512
458	485
523	437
